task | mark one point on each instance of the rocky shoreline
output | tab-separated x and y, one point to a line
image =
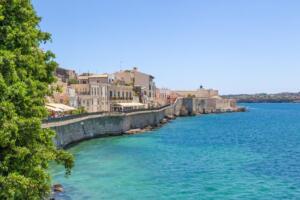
173	117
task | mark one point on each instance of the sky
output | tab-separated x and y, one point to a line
236	46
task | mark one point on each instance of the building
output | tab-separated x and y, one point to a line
93	97
163	96
59	94
95	78
65	75
143	84
99	92
199	93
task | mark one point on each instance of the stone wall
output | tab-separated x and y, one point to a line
78	129
73	131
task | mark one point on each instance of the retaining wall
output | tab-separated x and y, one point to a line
74	130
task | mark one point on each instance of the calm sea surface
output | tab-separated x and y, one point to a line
252	155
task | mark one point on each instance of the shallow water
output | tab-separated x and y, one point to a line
252	155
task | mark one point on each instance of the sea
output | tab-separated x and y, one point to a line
247	155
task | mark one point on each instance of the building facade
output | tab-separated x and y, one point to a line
143	83
99	93
199	93
163	96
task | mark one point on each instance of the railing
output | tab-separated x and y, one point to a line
68	117
145	109
75	116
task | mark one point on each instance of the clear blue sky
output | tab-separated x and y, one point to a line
241	46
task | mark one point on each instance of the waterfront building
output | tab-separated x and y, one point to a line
163	96
59	94
73	98
199	93
93	97
95	78
143	83
100	93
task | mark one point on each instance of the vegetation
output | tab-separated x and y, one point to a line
191	96
25	73
72	81
285	97
79	110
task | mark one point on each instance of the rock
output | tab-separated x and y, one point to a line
241	109
58	188
170	117
184	111
134	131
148	128
163	121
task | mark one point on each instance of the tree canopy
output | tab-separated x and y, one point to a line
26	71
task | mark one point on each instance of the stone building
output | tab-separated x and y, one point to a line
98	93
60	92
199	93
65	75
163	96
140	81
93	97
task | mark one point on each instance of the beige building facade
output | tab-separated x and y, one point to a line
163	96
98	93
200	93
137	79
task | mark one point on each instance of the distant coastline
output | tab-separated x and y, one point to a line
285	97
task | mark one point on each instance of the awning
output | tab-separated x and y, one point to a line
57	107
54	109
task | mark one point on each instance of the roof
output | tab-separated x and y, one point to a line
58	107
99	76
216	97
83	77
132	104
54	109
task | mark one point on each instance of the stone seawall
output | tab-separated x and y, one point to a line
75	130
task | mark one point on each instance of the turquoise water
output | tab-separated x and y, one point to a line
252	155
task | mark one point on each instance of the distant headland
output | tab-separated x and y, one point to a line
284	97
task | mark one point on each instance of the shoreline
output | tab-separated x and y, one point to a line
148	128
58	188
72	130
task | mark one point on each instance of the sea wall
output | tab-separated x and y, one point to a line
74	130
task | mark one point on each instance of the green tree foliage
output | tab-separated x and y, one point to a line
72	81
25	73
